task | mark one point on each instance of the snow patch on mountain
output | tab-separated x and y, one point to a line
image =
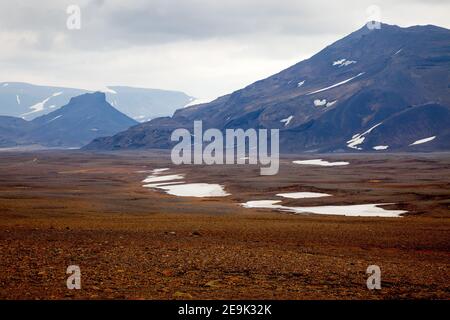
331	103
57	117
324	102
343	62
320	103
287	120
37	107
40	106
421	141
336	84
359	138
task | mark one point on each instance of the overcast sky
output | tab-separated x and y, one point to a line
205	48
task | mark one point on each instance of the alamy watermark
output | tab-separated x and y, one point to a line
73	21
374	280
374	19
239	146
74	280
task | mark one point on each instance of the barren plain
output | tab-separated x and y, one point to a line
61	208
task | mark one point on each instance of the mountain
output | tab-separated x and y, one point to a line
145	104
30	101
370	91
12	131
83	119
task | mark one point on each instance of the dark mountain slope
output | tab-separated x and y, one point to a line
344	90
12	131
84	118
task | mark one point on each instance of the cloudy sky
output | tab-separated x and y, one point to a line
205	48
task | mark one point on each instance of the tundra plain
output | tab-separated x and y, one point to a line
61	208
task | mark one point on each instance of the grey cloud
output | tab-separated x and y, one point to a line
107	24
204	47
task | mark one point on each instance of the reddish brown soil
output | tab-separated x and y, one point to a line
71	208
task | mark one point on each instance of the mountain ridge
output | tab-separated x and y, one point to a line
84	118
29	101
348	87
